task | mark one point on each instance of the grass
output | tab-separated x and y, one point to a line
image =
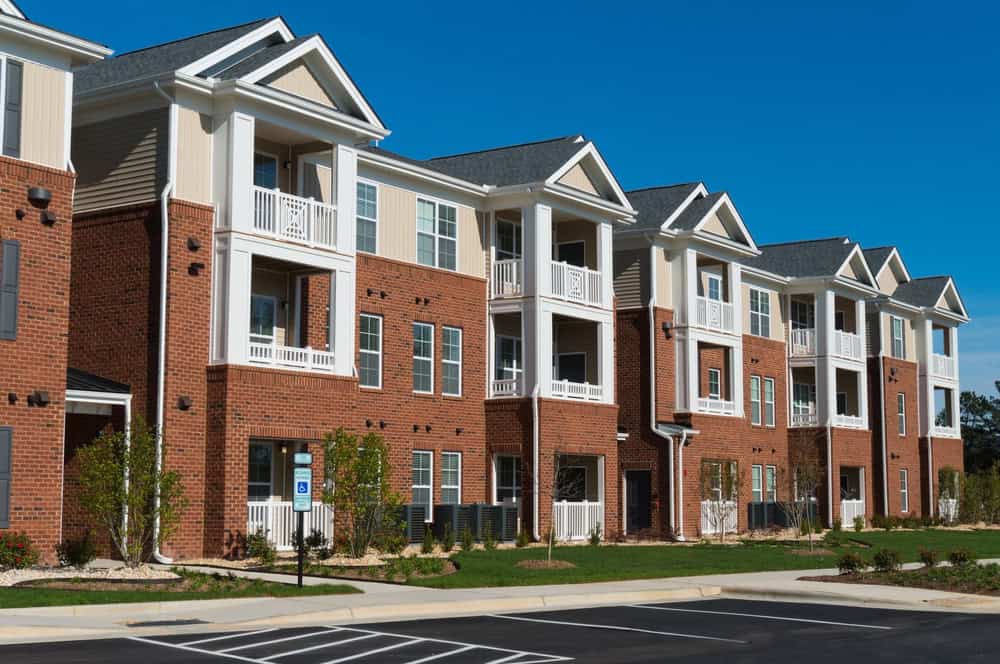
618	563
195	586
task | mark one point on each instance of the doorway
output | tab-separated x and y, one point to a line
638	504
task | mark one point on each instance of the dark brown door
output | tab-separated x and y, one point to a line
638	508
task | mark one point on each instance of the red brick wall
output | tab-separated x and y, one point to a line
904	452
509	433
946	452
851	448
713	357
36	360
81	430
316	301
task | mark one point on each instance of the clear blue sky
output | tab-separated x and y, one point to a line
878	120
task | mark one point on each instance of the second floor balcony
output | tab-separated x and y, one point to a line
576	283
943	366
714	314
294	218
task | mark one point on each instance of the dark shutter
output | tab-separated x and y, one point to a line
12	110
6	439
10	260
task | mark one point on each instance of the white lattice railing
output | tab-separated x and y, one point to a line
714	314
507	278
948	509
716	514
567	389
849	421
505	387
294	218
804	420
943	366
945	431
850	510
802	342
716	406
279	522
289	357
847	345
576	284
575	521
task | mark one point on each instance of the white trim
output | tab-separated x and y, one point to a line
904	490
461	341
429	359
88	51
8	7
698	192
358	215
759	402
559	356
458	487
232	48
515	488
430	487
718	372
766	403
901	416
437	203
362	351
893	255
589	149
857	253
760	316
724	199
270	478
555	257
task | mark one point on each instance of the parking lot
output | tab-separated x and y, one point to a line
706	630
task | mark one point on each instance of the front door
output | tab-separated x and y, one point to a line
638	506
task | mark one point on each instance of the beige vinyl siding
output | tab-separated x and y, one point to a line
850	272
664	289
887	281
194	156
471	244
577	178
574	231
777	323
714	225
579	337
298	80
43	115
317	181
121	161
631	278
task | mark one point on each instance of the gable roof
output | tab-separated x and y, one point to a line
695	213
877	257
88	382
261	58
10	8
928	291
809	258
512	164
654	205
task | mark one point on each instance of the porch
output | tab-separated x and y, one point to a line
577	497
716	380
804	410
714	309
852	494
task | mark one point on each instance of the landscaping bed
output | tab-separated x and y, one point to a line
390	570
970	579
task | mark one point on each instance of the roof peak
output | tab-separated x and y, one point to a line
581	138
200	34
662	187
842	238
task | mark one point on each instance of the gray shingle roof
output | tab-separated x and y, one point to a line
654	204
88	382
695	212
261	58
922	292
811	258
155	60
510	165
876	257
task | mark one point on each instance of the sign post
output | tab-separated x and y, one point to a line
302	499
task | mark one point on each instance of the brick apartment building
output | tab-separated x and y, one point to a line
248	271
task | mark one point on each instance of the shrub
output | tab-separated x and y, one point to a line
489	541
834	538
837	525
928	557
260	547
961	558
313	542
594	538
851	563
427	546
912	523
467	540
859	524
805	527
77	552
448	539
887	560
818	528
391	542
522	540
17	551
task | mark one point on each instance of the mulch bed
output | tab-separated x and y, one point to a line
164	585
815	552
918	578
545	564
371	573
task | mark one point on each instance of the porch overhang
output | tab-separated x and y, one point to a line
88	394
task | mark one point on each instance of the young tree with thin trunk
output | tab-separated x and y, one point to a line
799	486
721	487
564	483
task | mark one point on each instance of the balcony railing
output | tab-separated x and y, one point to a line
850	510
278	521
849	421
716	406
575	521
716	514
805	420
714	315
802	342
507	278
576	284
943	366
847	345
948	509
567	389
945	431
287	217
289	357
505	387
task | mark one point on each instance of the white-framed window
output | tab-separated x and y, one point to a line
803	398
437	234
370	369
11	93
901	413
451	361
769	402
422	481
772	484
803	315
904	490
755	403
451	478
259	472
760	313
508	365
263	315
715	383
423	358
265	170
756	483
367	213
714	469
571	367
713	290
508	240
898	340
508	478
839	320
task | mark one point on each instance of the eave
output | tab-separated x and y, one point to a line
87	51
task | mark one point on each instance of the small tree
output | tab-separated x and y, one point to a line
119	484
357	473
565	484
949	492
720	493
799	486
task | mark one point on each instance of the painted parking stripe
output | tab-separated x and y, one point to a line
257	644
178	646
757	615
441	655
618	628
328	644
234	635
368	653
514	653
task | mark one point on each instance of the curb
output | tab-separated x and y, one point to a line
955	601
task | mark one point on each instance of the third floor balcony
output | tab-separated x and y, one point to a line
293	218
806	339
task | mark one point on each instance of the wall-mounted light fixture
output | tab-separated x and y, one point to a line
38	398
666	330
368	423
416	300
12	397
194	269
427	301
193	243
382	294
458	431
20	213
382	424
49	218
40	197
416	428
427	428
184	402
371	291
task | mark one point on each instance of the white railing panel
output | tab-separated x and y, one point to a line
576	284
566	389
714	315
847	345
849	421
289	357
850	510
804	420
287	217
945	432
716	406
713	512
507	278
802	342
943	366
948	509
575	521
279	522
506	387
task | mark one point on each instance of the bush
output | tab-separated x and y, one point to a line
448	539
427	546
818	528
887	560
851	563
961	558
314	542
522	540
391	542
489	541
594	538
805	527
834	538
17	551
78	552
837	525
928	557
912	523
260	547
467	540
859	524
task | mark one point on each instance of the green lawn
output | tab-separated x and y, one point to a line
196	586
614	563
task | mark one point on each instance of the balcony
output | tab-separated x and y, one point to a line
944	431
278	521
847	345
716	406
294	219
576	284
849	421
505	387
574	521
943	366
805	420
507	278
851	510
802	342
714	314
289	357
567	389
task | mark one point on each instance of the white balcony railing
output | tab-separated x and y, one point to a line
714	314
802	342
289	357
575	521
717	514
943	366
277	520
849	421
945	431
507	278
287	217
948	509
847	345
805	420
505	387
576	284
716	406
567	389
850	510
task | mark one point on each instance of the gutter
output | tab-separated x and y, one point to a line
652	405
536	532
885	448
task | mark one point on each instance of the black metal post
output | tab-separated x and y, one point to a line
302	551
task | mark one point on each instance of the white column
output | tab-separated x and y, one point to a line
690	286
529	347
736	376
238	309
863	397
691	372
342	317
543	350
537	235
735	279
491	351
239	197
605	258
606	360
600	493
346	163
826	374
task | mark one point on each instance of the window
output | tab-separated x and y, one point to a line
451	361
265	170
508	474
437	233
423	472
571	367
769	402
904	491
451	478
772	484
10	267
898	342
714	287
574	253
508	358
754	399
13	74
508	240
423	357
901	413
760	313
803	315
714	470
756	483
803	398
370	371
263	312
367	211
259	472
943	416
841	403
715	383
6	455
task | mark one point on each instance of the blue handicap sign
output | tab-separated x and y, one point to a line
302	487
302	499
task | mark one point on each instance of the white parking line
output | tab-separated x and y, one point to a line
618	628
282	640
441	655
757	615
328	644
185	648
227	636
367	653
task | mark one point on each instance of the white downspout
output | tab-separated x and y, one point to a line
885	447
652	411
680	487
536	532
162	342
829	475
